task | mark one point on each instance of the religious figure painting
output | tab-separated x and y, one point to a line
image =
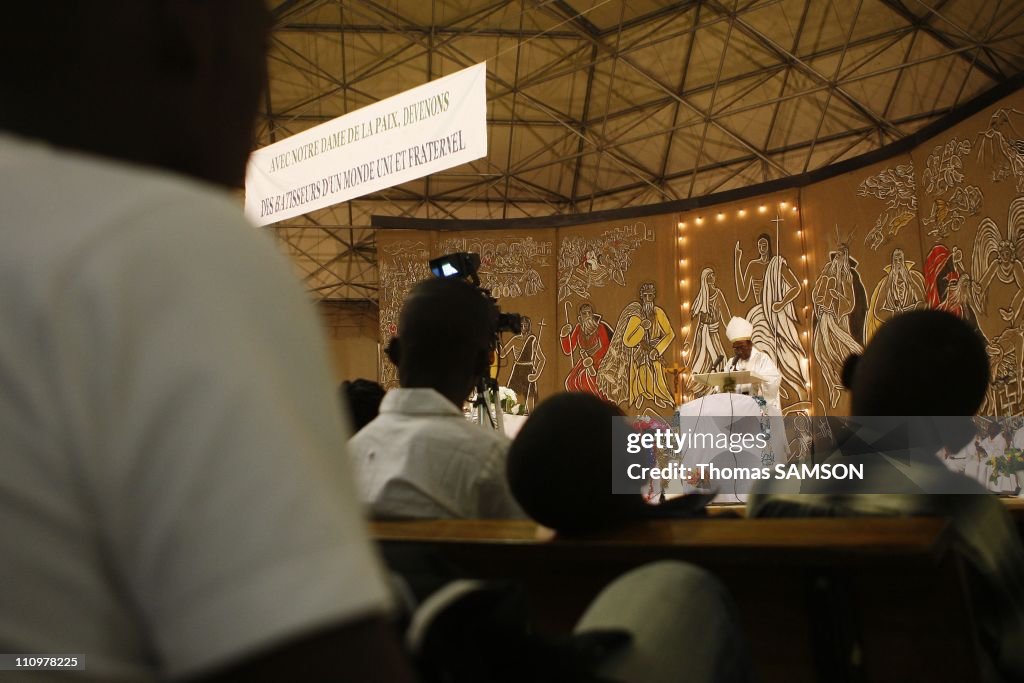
585	263
633	370
509	266
840	303
949	285
774	288
895	187
1002	143
901	289
943	178
709	315
586	344
404	263
524	356
1006	360
999	258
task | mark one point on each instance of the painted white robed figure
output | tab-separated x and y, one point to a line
739	330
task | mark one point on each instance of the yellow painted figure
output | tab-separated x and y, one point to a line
634	368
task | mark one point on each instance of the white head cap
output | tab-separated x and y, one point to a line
739	329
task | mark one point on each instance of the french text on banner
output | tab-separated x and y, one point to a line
424	130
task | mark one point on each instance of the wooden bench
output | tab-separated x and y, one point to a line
1015	506
872	599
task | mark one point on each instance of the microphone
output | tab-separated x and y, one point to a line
735	360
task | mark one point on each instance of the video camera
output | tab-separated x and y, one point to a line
465	265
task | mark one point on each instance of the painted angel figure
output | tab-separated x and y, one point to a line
998	257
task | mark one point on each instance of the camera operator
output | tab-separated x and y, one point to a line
420	458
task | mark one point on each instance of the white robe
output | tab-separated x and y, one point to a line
763	365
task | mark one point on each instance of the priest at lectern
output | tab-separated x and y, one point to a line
748	357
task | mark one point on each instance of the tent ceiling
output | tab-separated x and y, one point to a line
600	104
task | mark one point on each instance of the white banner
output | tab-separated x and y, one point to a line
415	133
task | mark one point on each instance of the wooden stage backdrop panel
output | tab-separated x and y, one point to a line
518	267
970	187
865	262
402	258
747	259
618	312
618	307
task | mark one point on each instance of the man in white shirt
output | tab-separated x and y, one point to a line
172	502
421	458
749	357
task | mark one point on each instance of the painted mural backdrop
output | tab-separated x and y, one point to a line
630	309
598	304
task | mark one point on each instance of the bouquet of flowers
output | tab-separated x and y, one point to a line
509	402
1011	462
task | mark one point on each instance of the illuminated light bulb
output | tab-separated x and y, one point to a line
783	204
805	334
681	225
804	257
799	233
681	239
686	306
700	220
743	212
761	209
721	216
805	284
794	209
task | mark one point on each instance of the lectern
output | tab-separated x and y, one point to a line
727	381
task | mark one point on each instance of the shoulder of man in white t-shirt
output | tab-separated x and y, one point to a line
172	497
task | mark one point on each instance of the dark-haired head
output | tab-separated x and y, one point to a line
169	84
363	397
561	465
920	363
446	333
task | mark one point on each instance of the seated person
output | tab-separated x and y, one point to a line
662	622
363	397
563	467
898	375
172	501
421	458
